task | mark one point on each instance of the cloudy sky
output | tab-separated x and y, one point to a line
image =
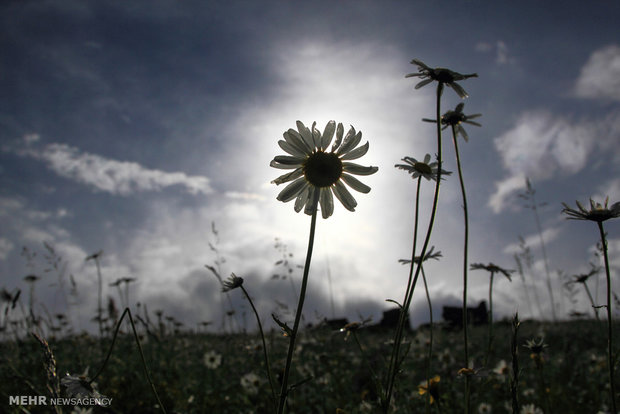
134	128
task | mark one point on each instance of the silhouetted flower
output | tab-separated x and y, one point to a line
421	168
317	169
233	282
597	212
442	75
493	268
455	119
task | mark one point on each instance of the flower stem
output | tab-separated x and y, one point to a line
430	344
394	360
486	360
465	249
592	301
302	296
262	336
146	371
610	359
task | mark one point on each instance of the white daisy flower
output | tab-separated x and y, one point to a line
318	172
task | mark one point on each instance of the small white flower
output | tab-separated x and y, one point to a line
484	408
78	386
250	382
212	359
501	368
531	409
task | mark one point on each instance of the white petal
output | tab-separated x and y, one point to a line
302	199
350	141
423	83
292	137
293	190
339	132
316	136
345	197
276	164
355	184
290	148
305	134
356	153
288	160
328	134
310	203
358	169
288	177
458	89
327	202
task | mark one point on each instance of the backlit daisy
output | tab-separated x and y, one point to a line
597	212
421	168
318	172
442	75
455	119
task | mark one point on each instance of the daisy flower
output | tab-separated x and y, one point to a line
597	212
421	168
212	359
455	119
530	409
78	386
250	382
319	172
484	408
441	75
233	282
492	268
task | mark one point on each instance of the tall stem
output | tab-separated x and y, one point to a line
262	336
300	305
490	339
545	260
430	344
610	359
465	249
394	361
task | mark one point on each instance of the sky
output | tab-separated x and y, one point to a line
145	129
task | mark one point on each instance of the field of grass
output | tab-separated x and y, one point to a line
204	373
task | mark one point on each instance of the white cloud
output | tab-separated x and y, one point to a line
116	177
541	146
5	248
502	56
533	240
600	76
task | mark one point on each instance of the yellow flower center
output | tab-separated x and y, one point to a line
322	169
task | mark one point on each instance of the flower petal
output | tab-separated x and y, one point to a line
355	184
288	177
293	190
327	202
339	132
292	137
328	134
345	197
305	134
356	153
276	164
358	169
316	136
302	199
458	89
310	203
423	83
350	141
290	148
288	160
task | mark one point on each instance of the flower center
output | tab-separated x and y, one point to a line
443	75
322	169
422	168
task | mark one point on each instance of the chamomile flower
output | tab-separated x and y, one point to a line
232	282
597	212
442	75
484	408
318	171
78	386
455	119
531	409
212	359
250	382
421	168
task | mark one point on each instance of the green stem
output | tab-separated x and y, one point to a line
302	296
394	361
592	301
486	361
465	250
430	345
146	371
610	359
262	336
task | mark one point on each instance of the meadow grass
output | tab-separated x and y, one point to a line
574	368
